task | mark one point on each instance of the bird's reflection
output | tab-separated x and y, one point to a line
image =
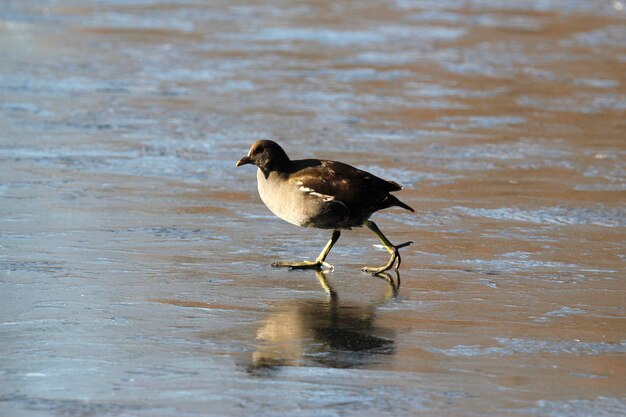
322	333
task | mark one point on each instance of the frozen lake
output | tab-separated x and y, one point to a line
135	274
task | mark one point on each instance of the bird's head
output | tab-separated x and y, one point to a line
265	154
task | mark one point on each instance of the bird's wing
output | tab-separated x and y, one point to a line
357	189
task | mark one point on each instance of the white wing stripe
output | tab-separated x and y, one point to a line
312	192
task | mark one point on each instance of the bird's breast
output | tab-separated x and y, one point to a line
279	198
297	204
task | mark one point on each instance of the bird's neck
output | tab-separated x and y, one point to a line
275	165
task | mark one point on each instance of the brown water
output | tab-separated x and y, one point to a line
135	258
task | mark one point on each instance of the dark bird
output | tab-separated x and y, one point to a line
322	194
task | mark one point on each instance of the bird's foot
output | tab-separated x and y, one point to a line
303	265
394	260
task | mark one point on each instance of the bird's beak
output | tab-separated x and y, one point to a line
243	161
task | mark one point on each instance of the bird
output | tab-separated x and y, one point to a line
323	194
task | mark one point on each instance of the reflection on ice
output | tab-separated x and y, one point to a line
322	333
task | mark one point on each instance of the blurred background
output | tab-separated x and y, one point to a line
134	257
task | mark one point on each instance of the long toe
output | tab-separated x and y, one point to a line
302	265
397	262
377	270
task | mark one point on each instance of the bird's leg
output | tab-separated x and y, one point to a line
391	248
318	263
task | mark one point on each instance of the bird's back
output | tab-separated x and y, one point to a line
362	192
